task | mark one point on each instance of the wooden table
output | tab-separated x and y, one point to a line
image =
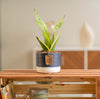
88	82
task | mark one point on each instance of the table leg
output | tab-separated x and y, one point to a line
98	88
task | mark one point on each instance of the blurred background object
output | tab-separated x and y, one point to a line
50	25
86	36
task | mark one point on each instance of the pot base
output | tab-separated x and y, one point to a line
48	69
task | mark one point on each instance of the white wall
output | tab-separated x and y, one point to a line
18	26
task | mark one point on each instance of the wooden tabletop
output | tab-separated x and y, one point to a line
30	73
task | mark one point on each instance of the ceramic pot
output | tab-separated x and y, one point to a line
48	62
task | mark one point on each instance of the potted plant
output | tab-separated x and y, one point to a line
48	60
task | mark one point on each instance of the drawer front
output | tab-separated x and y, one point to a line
72	59
94	59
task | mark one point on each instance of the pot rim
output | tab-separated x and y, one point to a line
48	51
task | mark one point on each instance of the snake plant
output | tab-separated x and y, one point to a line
50	43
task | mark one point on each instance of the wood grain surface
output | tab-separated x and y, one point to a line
72	59
66	75
94	59
98	88
62	74
60	88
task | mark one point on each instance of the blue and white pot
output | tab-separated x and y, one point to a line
41	62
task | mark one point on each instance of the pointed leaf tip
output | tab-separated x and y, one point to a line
44	28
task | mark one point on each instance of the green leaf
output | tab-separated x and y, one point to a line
53	37
55	28
44	46
44	28
54	43
58	25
